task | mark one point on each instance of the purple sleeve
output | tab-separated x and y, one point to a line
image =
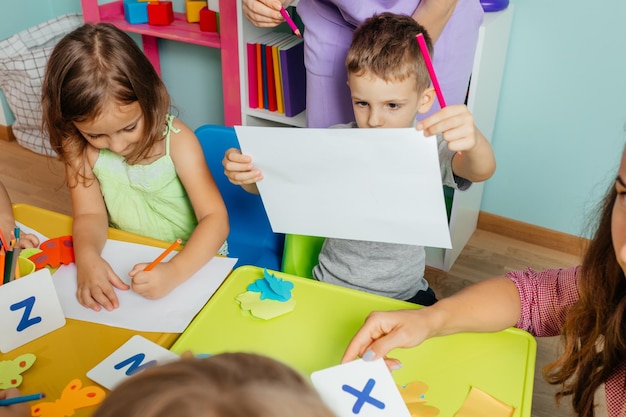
546	297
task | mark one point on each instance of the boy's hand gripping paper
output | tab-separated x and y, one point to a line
381	185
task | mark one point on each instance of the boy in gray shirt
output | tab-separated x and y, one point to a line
390	86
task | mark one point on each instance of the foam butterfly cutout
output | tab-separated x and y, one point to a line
74	396
54	252
11	370
414	396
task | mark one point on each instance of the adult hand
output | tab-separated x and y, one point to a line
385	331
263	13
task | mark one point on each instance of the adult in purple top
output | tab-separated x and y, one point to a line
452	24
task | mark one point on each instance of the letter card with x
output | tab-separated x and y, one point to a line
361	389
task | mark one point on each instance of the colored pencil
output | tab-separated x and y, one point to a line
22	399
2	257
9	267
3	241
290	22
431	70
164	254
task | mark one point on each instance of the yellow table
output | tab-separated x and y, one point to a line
315	334
72	350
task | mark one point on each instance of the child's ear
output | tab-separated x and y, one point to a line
426	100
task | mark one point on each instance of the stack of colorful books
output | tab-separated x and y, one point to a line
276	74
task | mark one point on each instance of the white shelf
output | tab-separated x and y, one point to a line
484	93
257	117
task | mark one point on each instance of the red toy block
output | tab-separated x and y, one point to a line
208	20
161	13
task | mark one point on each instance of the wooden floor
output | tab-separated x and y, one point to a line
38	180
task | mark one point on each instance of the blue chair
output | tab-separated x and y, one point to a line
251	238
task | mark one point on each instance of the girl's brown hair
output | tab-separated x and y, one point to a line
385	46
595	328
89	67
225	385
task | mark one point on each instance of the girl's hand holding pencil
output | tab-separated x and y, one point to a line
157	279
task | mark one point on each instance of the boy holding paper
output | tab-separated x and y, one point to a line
390	85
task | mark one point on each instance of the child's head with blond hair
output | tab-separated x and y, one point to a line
224	385
387	71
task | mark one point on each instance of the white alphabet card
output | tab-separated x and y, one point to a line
29	308
360	388
137	354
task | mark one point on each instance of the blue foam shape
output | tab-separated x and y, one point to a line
135	12
278	285
272	288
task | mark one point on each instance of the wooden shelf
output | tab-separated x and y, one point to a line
180	30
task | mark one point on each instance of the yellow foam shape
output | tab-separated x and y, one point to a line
478	403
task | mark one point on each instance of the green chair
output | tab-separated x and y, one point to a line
300	254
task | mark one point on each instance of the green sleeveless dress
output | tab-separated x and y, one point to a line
149	199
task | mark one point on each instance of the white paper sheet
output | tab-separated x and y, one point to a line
170	314
379	185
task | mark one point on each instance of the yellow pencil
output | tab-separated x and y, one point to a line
164	254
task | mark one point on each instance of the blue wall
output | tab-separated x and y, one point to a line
561	122
561	119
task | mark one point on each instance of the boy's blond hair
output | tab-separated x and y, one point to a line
385	46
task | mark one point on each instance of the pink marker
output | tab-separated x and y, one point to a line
431	71
290	22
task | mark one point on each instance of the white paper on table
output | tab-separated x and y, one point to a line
380	185
170	314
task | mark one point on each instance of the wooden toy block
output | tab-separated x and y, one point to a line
135	11
208	20
160	13
193	8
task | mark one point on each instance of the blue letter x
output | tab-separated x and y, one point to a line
363	396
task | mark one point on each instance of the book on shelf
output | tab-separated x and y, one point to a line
276	75
294	77
256	64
